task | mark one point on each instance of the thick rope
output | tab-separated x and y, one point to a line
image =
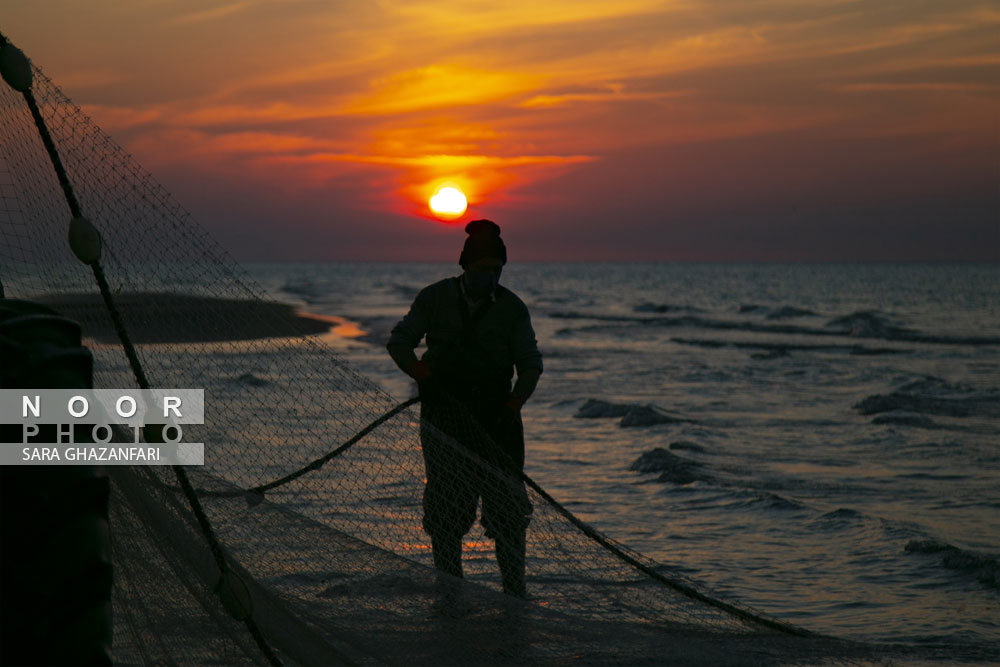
50	148
317	463
678	586
136	365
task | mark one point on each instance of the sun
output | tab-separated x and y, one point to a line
448	202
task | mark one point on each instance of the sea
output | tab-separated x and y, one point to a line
820	442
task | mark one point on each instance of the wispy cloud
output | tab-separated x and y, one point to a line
213	14
926	87
445	162
616	95
439	86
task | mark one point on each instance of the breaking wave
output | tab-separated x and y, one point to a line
688	446
774	350
408	291
631	414
862	324
868	324
306	290
672	468
251	380
647	307
784	312
934	396
916	421
985	569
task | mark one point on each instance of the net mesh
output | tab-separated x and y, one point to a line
335	561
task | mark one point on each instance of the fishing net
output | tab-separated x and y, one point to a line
300	540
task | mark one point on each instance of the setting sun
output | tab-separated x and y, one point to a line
448	202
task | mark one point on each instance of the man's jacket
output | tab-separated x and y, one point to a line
470	349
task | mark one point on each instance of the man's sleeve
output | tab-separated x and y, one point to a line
524	346
409	330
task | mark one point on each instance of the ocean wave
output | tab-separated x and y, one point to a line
775	350
934	396
305	290
776	502
938	477
871	324
408	291
784	312
916	421
867	324
597	409
647	307
686	321
934	386
251	380
863	324
648	415
772	354
787	312
684	445
631	414
601	317
842	516
673	469
985	569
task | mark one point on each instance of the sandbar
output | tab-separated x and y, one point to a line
157	317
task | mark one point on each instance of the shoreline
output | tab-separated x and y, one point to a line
170	317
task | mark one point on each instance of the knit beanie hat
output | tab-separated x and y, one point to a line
483	241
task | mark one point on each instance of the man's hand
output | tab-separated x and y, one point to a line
427	386
514	403
508	413
419	371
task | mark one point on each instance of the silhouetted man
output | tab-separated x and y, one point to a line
477	333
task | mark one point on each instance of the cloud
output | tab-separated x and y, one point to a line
122	118
926	87
213	14
439	86
443	162
613	96
473	17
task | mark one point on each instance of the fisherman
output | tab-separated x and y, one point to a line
471	434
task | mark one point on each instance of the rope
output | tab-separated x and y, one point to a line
321	461
119	324
136	365
318	463
50	148
678	586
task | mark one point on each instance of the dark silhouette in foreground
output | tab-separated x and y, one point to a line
477	333
55	569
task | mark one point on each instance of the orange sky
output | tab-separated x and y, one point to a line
692	130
